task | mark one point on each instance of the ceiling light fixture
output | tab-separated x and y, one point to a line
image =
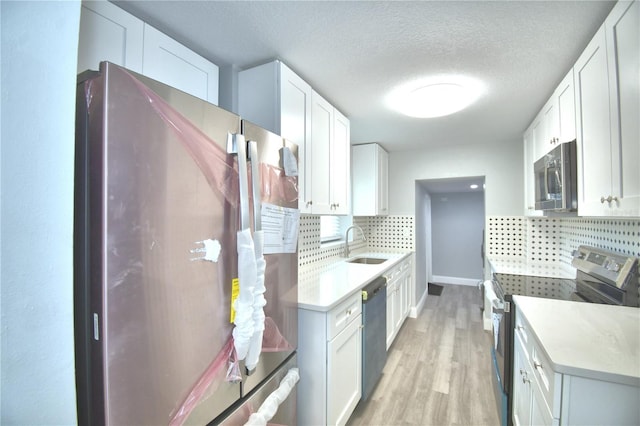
473	186
436	96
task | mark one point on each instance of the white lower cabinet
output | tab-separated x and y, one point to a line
522	392
344	373
542	396
330	363
399	290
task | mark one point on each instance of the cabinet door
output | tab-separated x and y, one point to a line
540	140
551	124
344	381
592	107
540	414
108	33
295	116
522	391
321	135
565	98
529	179
383	181
340	174
171	63
398	296
390	314
623	48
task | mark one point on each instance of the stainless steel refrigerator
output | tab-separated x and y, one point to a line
166	186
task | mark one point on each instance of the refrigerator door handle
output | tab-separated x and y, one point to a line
236	145
255	185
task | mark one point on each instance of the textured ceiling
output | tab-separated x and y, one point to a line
355	53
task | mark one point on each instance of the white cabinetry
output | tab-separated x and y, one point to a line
607	105
170	62
370	165
556	122
330	362
274	97
330	158
399	290
108	33
542	396
529	178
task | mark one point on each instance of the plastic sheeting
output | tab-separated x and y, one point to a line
224	367
270	406
220	172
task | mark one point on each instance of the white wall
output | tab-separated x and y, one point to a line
423	243
39	59
500	164
457	223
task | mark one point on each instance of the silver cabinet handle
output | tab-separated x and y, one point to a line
525	379
537	365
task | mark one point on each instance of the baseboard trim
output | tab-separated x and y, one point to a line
454	280
415	310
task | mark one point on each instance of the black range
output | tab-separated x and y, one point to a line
601	277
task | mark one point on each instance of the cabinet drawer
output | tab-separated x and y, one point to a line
522	330
550	382
393	273
343	314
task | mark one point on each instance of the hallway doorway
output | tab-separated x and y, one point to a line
450	220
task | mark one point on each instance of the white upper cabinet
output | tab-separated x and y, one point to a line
564	96
556	122
623	41
339	172
108	33
170	62
321	136
370	180
274	97
529	178
607	105
330	159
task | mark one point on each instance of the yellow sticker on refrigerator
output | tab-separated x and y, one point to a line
235	292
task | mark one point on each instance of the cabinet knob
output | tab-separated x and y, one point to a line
608	199
309	203
537	365
525	380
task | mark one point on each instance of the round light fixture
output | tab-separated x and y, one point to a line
435	97
473	186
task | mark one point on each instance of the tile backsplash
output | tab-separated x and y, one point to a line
541	240
382	232
538	240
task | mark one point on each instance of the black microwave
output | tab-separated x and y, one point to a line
556	179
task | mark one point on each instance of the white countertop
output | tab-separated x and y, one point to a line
322	287
537	269
596	341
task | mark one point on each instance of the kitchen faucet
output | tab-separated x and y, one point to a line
346	238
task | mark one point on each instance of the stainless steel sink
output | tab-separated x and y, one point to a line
367	260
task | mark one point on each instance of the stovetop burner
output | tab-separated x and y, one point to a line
601	277
527	285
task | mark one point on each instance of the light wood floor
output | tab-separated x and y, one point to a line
438	368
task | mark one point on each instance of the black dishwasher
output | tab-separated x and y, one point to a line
374	337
